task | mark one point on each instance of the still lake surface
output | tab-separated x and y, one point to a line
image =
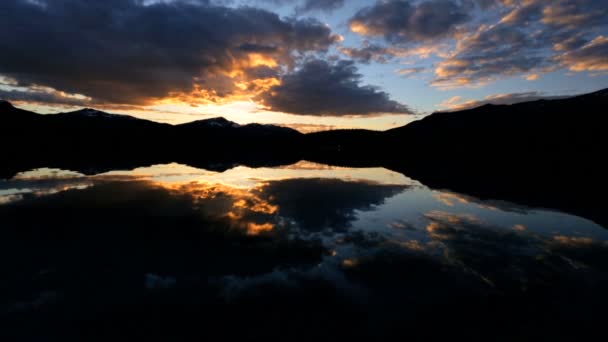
304	250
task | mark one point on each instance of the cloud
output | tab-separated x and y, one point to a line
399	21
372	52
326	203
304	6
43	95
329	89
320	5
487	39
137	52
499	50
532	77
458	103
369	52
533	37
590	57
485	4
128	227
407	72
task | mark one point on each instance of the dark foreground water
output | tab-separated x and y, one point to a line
171	252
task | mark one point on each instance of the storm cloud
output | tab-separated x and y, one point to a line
329	89
134	52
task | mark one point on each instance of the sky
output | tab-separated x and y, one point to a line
307	64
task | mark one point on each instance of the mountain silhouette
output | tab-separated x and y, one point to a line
546	153
542	153
93	113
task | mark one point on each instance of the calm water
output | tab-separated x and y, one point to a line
305	250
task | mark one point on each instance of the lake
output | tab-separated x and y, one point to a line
297	251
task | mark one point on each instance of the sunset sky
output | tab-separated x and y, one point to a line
308	64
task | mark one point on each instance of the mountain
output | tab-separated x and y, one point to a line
95	114
544	126
91	127
547	153
90	139
550	116
210	123
12	115
564	135
5	105
221	126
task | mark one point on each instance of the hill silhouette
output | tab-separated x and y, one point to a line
547	153
544	153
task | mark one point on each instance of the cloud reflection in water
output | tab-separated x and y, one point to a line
334	237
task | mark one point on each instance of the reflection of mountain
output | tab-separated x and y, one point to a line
542	153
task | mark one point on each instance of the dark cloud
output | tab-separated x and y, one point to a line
304	6
320	5
43	96
369	52
131	51
401	21
324	89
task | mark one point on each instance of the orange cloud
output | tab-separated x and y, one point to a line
450	199
532	77
256	229
360	28
590	57
243	209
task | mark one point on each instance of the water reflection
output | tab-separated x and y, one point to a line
369	246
